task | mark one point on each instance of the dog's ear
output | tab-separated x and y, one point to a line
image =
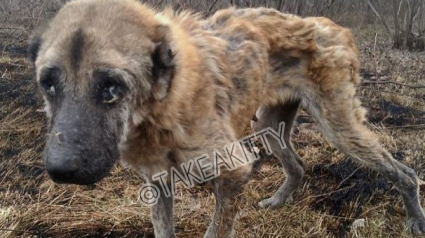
34	45
163	67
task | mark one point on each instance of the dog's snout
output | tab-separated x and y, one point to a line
61	172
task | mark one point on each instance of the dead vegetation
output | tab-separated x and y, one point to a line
336	193
407	19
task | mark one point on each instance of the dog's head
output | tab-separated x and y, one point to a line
97	62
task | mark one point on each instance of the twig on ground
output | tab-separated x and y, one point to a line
12	230
419	126
373	208
12	43
415	99
349	176
375	61
392	82
5	72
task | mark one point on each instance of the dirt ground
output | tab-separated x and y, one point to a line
335	197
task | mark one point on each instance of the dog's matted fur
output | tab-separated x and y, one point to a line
158	89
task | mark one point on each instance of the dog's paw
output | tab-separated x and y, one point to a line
275	202
416	226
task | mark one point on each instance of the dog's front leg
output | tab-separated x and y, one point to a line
227	190
162	216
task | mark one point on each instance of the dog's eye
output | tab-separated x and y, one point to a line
48	81
112	92
48	86
110	87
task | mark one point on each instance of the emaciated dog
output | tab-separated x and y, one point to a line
121	81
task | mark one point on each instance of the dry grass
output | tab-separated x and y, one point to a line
335	192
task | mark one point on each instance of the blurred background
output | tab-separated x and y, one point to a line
403	20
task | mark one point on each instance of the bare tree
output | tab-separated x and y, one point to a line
406	26
404	20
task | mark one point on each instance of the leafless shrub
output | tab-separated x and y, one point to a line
19	18
298	7
404	21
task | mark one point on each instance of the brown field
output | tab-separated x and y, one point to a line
335	193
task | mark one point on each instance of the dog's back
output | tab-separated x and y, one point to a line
271	58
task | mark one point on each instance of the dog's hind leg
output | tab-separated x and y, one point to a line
270	117
340	118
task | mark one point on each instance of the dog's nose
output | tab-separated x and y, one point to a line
61	172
